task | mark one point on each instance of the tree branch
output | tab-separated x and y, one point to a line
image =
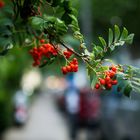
74	52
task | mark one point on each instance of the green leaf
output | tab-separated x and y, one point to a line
37	22
136	89
98	51
127	90
135	70
94	80
83	46
78	36
129	39
110	37
136	79
4	42
86	52
55	3
49	19
74	27
74	19
92	56
135	83
60	27
124	34
93	77
8	10
5	45
74	12
108	60
67	18
5	32
104	68
6	22
60	22
119	43
74	24
103	42
117	33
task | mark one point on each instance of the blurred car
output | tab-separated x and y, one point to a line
120	119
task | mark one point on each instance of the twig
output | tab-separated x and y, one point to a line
77	54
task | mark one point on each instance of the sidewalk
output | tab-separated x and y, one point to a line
45	123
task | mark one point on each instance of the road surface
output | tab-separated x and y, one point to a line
45	123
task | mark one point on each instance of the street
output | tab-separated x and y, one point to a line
44	123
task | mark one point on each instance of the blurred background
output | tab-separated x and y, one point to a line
42	104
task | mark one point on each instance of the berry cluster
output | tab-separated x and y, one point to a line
109	79
72	67
45	50
68	53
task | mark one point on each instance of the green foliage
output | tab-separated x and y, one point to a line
6	111
127	90
134	78
117	33
38	23
97	57
56	3
115	39
103	42
129	39
110	37
123	13
97	52
30	21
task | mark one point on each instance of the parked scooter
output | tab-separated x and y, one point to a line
20	108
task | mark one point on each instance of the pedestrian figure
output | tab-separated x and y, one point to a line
72	107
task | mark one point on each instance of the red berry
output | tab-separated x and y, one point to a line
114	82
97	86
114	69
65	52
42	40
102	82
109	86
72	67
64	70
107	73
75	69
112	74
42	49
68	68
70	51
74	59
107	79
